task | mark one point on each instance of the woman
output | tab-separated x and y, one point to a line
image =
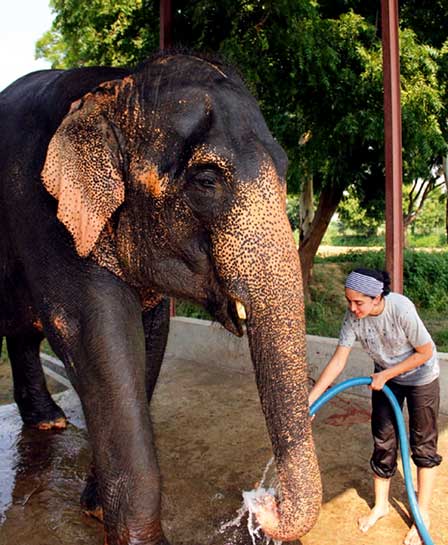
391	332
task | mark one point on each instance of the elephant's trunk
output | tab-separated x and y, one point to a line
278	352
261	269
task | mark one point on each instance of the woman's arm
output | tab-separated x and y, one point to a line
332	370
421	355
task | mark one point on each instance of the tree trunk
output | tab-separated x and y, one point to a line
445	175
306	208
328	202
408	222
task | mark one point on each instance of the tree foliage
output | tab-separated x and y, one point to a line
363	220
99	32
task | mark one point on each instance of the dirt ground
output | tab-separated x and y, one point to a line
212	445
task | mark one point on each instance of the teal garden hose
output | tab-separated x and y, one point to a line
402	435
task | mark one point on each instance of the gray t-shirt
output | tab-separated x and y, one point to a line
390	338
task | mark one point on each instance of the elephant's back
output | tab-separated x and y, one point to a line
36	104
31	109
26	104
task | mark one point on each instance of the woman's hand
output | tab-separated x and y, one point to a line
379	380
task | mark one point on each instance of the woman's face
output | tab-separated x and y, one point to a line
362	305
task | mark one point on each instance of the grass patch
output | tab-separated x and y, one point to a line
425	283
326	306
353	240
191	310
434	240
4	354
425	274
333	237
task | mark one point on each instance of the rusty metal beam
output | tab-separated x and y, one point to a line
392	143
165	33
165	42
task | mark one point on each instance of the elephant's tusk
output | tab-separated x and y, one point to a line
241	311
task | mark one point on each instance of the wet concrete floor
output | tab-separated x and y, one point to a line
212	444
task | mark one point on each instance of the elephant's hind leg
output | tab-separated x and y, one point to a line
156	323
35	404
90	498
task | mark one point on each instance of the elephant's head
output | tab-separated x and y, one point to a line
172	180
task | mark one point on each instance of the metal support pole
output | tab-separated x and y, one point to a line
392	143
165	42
165	32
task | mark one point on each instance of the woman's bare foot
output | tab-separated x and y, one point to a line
366	522
413	536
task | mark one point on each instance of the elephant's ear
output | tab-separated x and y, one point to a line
82	171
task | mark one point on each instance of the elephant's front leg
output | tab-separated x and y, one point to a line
155	327
110	379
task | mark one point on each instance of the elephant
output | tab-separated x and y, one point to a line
121	188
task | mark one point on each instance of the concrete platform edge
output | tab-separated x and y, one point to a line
204	341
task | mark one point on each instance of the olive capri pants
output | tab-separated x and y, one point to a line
423	408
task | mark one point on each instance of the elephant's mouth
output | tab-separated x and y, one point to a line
230	313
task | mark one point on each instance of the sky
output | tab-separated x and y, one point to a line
22	23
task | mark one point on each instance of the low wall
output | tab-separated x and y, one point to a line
208	342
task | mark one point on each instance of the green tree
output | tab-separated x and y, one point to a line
424	143
432	216
427	18
361	219
96	32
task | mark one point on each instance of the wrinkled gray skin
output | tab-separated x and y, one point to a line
118	189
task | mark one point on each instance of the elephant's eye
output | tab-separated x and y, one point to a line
203	178
206	190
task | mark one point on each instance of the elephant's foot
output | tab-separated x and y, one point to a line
163	542
146	533
58	424
149	534
90	500
96	513
43	416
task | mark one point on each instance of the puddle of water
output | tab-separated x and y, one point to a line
41	478
10	426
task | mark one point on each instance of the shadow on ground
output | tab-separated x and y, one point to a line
212	444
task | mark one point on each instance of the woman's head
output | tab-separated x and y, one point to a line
365	290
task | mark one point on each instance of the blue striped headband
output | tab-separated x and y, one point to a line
364	284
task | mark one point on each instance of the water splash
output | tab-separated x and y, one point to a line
250	499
